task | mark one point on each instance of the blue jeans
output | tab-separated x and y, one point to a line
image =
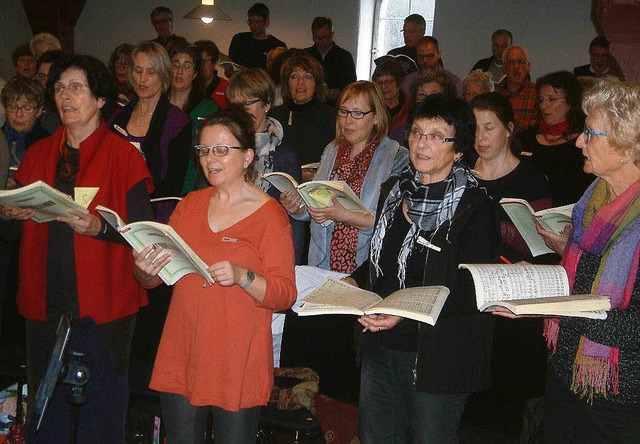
390	407
185	423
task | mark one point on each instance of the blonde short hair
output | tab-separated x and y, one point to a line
372	95
619	104
253	82
159	59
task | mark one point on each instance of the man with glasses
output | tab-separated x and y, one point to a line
249	49
429	57
162	21
339	68
520	91
412	31
602	64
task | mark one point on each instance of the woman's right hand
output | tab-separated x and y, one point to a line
12	213
148	263
557	242
292	202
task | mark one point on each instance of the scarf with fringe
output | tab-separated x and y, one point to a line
428	207
609	230
266	143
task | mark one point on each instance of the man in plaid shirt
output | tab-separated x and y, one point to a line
522	93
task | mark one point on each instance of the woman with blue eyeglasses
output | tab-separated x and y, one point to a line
364	157
593	378
216	349
552	147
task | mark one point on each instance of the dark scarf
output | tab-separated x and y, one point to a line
428	207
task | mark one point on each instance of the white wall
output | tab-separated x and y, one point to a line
556	33
290	22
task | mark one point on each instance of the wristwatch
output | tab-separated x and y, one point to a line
251	276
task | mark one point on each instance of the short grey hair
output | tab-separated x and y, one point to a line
506	51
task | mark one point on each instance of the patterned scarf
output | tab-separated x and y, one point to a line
69	163
266	143
428	207
609	230
344	239
16	142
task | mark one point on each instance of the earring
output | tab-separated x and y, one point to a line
624	162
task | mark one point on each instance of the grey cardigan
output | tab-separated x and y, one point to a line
388	160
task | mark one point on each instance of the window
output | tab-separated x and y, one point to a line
387	18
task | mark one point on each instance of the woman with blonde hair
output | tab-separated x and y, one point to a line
163	131
364	157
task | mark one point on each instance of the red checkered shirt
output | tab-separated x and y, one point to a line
524	102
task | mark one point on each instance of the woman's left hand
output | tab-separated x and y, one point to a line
226	273
379	322
85	224
335	212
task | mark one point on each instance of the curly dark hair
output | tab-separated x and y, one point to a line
454	112
571	87
197	86
98	78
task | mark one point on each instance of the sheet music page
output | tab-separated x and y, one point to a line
497	282
333	292
417	299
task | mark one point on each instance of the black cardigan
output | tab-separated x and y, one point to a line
454	356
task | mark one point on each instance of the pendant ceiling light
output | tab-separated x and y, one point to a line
207	12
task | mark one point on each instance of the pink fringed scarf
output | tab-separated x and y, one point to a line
610	230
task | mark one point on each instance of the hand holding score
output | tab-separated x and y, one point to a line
335	212
291	201
84	223
11	213
557	242
150	261
379	322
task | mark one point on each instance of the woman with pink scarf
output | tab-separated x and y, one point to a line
593	380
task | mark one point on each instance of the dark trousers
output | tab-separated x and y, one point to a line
570	419
390	407
185	423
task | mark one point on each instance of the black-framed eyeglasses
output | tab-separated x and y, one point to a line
588	132
355	114
249	103
217	150
434	138
185	66
428	56
256	21
27	108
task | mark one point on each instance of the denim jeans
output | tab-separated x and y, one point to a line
390	407
185	423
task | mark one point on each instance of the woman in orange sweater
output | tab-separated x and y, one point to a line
216	348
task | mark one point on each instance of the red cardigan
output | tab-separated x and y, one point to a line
105	283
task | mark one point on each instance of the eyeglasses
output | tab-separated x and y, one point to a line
247	103
385	82
307	77
217	150
588	132
412	31
41	76
27	108
550	100
74	88
435	139
255	21
428	56
517	62
343	112
122	65
186	66
163	21
322	38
